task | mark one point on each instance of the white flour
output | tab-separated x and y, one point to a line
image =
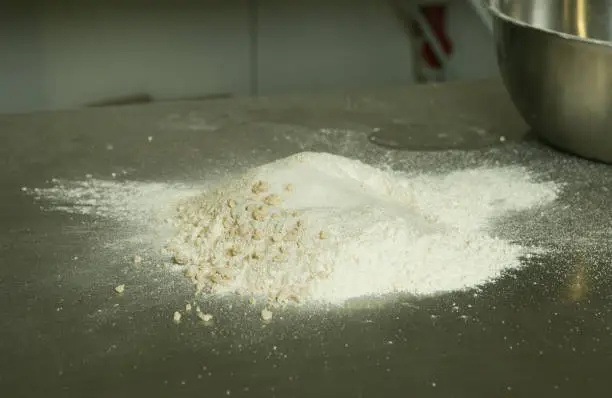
316	227
136	202
141	209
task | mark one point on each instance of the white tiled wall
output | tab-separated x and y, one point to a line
474	53
105	51
331	44
72	53
22	63
66	56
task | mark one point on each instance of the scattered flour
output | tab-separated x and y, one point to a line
316	227
136	202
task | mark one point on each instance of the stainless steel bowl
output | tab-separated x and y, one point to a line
555	57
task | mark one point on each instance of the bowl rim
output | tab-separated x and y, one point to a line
496	12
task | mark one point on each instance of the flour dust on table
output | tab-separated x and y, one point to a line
313	227
321	228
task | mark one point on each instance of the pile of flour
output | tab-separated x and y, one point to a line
316	227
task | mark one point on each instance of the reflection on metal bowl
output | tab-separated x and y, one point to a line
555	57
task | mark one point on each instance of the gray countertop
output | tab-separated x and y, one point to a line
543	329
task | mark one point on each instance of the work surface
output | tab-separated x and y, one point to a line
543	329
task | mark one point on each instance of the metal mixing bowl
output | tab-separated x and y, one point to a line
555	57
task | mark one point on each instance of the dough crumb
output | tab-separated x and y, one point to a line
187	307
120	289
266	314
272	200
177	317
205	317
260	187
259	214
